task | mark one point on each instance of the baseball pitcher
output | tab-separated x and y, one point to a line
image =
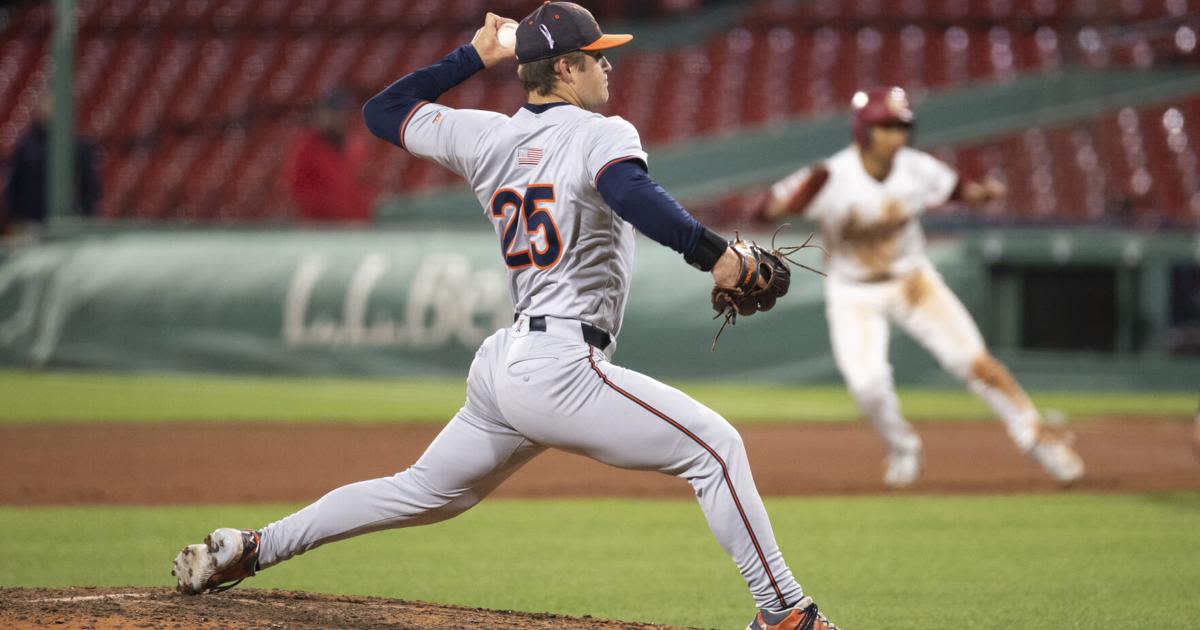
564	188
868	199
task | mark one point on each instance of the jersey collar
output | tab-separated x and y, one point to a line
541	108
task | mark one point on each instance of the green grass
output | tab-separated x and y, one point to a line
81	396
71	397
1050	562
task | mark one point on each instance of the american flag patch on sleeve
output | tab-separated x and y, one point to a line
528	156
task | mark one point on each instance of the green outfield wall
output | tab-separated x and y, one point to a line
393	303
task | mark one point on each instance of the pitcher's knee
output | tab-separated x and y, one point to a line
726	439
716	444
458	505
417	489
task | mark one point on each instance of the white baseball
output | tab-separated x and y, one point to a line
507	35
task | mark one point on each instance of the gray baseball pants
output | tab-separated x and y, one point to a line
528	391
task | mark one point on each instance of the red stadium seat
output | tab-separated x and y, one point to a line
1067	162
725	80
22	72
901	57
866	59
208	82
126	82
826	51
1037	50
88	13
1130	166
161	84
121	173
90	69
230	13
767	93
802	98
326	73
1002	58
347	14
948	10
1161	124
214	165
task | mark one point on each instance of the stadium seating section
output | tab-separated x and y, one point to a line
1135	167
196	102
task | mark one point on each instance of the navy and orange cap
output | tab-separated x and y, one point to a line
557	28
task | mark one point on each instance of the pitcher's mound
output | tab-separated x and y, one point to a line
105	608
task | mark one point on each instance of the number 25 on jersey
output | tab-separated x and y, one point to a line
532	211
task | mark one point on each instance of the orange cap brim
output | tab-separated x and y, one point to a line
608	41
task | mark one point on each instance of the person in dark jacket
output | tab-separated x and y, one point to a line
26	195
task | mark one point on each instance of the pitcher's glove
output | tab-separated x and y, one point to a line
763	278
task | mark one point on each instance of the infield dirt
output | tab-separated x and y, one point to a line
158	464
155	464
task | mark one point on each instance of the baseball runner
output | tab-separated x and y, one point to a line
564	188
868	198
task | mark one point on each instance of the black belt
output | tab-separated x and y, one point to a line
592	335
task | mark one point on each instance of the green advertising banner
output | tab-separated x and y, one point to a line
418	303
383	304
356	303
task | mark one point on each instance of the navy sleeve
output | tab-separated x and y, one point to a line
387	111
629	191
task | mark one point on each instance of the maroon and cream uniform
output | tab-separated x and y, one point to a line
869	226
879	274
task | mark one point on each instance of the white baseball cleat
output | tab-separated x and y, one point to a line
1055	454
226	557
903	468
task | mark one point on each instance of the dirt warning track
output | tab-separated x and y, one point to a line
171	463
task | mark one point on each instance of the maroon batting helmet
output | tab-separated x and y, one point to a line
880	106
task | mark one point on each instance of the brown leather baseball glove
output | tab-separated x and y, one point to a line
763	278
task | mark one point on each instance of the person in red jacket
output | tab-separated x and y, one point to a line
322	175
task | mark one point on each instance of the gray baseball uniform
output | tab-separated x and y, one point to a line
547	381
